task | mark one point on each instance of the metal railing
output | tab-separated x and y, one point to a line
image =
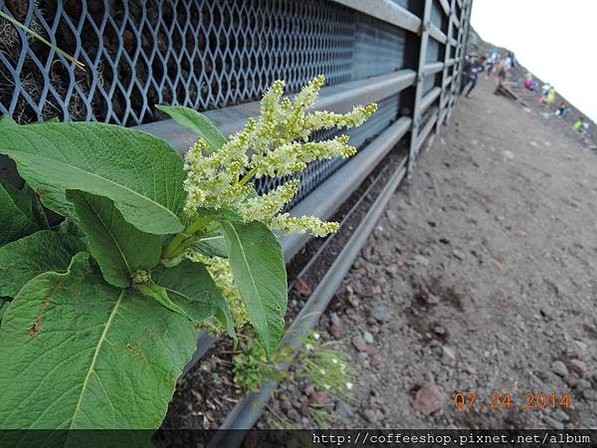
220	56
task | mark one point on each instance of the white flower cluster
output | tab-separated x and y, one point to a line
276	144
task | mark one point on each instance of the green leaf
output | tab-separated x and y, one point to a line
14	223
141	173
191	287
26	200
78	353
24	259
212	246
260	273
23	199
159	294
119	248
196	122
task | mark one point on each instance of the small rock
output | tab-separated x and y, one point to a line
372	291
458	254
293	415
429	399
590	394
302	288
353	300
422	260
380	312
581	345
376	360
334	319
559	368
359	343
508	154
439	330
369	415
318	397
343	410
431	299
392	269
560	416
582	385
578	366
335	331
571	380
448	356
532	143
392	217
368	337
309	389
397	324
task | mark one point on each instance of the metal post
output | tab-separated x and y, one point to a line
457	70
445	96
426	20
461	48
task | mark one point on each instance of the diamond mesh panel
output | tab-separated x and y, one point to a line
203	54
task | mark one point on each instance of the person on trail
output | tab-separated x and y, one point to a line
466	69
562	111
528	81
473	76
502	71
578	124
544	91
551	96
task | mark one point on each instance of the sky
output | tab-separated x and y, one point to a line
555	39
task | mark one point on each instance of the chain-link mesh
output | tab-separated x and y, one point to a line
203	54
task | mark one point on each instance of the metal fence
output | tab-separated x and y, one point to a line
219	56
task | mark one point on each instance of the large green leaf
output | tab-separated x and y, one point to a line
258	268
14	222
196	122
141	173
191	287
119	248
44	251
79	353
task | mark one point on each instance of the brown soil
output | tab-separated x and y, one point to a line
479	278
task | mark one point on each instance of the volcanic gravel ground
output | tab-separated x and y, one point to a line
480	277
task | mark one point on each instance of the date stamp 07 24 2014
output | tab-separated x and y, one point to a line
467	401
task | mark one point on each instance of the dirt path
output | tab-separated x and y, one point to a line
480	277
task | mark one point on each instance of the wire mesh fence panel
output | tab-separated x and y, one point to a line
203	54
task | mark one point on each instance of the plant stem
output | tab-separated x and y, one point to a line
41	39
177	244
247	177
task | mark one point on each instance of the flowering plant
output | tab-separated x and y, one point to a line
100	313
